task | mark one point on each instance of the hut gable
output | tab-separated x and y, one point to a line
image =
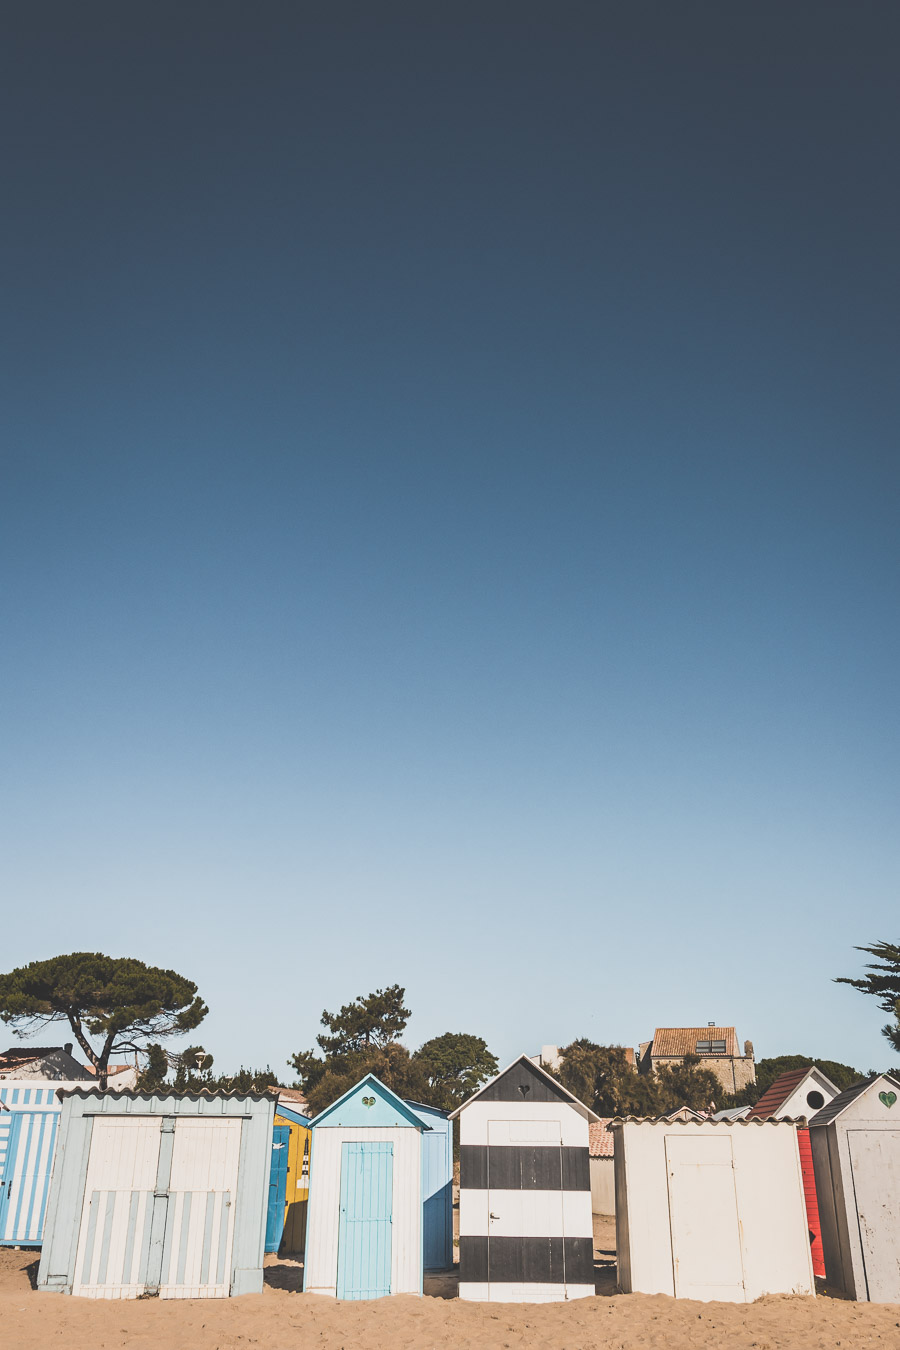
860	1100
524	1081
799	1092
369	1104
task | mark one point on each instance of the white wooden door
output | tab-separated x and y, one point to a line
200	1218
114	1236
706	1238
875	1163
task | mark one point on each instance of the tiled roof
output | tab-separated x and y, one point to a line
295	1097
772	1100
602	1142
20	1055
674	1041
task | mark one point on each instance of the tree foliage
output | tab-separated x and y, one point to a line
603	1077
193	1073
373	1020
687	1084
363	1037
454	1065
119	1001
155	1070
882	983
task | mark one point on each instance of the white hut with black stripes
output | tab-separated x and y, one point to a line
525	1228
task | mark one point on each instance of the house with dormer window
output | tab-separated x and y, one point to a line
716	1047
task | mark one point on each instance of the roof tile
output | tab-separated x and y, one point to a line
602	1142
674	1041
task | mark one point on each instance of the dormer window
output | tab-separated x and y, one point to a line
711	1047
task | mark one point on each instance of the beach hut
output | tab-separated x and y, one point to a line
158	1194
710	1209
29	1119
801	1092
437	1187
289	1182
856	1154
365	1225
525	1226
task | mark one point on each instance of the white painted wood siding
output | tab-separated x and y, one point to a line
526	1213
770	1211
200	1219
475	1118
324	1206
114	1236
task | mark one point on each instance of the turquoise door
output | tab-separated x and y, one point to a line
364	1230
281	1137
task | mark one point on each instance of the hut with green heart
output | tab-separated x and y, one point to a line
365	1226
856	1154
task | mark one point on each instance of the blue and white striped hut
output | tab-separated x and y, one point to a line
29	1120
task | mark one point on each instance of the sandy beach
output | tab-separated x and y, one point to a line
283	1319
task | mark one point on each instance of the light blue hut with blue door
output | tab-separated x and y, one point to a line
366	1223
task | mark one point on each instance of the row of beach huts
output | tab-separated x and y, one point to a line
130	1194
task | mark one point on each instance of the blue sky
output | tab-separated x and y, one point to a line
448	518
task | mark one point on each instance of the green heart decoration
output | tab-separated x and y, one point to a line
888	1098
370	1101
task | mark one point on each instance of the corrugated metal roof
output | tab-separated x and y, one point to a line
674	1041
843	1099
602	1143
710	1123
206	1093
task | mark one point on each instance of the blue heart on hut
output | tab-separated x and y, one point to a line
888	1098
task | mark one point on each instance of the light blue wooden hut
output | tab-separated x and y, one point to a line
437	1187
158	1194
366	1221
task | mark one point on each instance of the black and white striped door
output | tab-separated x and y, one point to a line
525	1212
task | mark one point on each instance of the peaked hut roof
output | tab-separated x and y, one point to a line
534	1084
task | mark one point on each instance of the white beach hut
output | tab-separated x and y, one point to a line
710	1209
158	1194
856	1154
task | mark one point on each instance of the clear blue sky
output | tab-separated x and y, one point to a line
450	510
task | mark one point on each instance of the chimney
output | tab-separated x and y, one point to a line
68	1048
710	1024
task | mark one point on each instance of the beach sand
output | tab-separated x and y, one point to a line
282	1319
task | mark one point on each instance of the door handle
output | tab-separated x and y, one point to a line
495	1216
